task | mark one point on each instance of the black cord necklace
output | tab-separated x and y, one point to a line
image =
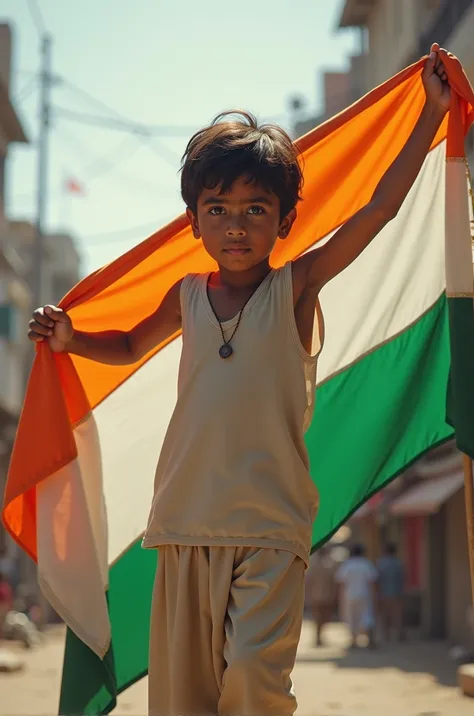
226	350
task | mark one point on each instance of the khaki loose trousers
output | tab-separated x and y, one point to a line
225	626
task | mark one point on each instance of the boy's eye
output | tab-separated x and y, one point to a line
256	210
216	210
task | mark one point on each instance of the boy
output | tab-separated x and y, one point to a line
234	503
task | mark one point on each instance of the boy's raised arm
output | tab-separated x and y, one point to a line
111	347
320	266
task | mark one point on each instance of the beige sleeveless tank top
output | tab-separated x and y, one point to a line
234	467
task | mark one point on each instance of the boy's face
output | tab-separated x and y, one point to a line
239	229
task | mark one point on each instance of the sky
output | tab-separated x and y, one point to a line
171	65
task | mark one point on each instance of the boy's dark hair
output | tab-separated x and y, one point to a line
230	148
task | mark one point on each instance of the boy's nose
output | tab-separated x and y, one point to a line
235	229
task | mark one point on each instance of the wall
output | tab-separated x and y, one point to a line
461	42
64	266
358	73
14	301
5	53
435	603
392	35
394	28
336	91
61	265
458	589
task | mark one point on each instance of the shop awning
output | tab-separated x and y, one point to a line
370	507
427	497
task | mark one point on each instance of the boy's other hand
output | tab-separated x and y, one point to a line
435	80
52	324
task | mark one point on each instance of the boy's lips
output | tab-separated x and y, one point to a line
236	250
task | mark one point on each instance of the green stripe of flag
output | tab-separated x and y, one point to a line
377	417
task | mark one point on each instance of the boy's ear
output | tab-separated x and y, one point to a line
194	223
286	224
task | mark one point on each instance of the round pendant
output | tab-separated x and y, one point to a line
225	350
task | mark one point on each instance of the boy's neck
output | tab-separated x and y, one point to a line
242	279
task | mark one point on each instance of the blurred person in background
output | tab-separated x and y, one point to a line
321	589
358	583
6	601
390	592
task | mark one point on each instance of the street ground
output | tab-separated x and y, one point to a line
411	679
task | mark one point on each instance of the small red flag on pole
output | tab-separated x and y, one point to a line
72	186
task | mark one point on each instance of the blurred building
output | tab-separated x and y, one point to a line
399	32
14	293
60	272
61	259
396	32
424	509
393	34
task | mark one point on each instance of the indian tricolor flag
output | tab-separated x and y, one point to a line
399	329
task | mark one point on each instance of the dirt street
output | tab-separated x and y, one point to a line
413	679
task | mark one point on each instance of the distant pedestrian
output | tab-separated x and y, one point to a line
358	579
390	592
6	601
321	589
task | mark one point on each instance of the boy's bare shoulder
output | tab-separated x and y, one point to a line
171	302
300	268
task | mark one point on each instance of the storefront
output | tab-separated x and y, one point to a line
432	519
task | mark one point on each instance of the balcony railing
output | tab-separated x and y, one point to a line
445	22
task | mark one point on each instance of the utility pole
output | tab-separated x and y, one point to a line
37	253
42	188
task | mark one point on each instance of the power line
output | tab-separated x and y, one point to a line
162	151
98	103
109	160
37	17
121	125
119	122
136	183
25	73
142	133
156	129
27	90
97	121
169	131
